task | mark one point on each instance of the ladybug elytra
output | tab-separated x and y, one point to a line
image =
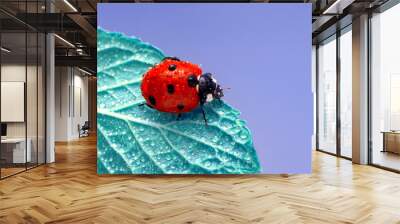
176	86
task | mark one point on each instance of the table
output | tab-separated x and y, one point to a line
13	150
391	141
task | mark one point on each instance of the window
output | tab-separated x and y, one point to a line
346	92
385	89
327	95
22	77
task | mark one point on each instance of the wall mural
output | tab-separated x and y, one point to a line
162	113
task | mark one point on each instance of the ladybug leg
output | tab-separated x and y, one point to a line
141	105
204	115
179	117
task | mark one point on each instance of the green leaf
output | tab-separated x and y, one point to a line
135	139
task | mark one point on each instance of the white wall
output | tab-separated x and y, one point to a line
13	72
80	103
71	102
16	72
13	101
62	82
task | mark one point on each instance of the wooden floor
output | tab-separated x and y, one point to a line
70	191
387	159
5	172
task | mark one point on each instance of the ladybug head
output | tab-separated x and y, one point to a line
209	89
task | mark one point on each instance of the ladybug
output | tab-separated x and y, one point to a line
176	86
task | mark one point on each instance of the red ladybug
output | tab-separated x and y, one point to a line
176	86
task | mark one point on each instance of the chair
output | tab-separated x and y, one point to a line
84	130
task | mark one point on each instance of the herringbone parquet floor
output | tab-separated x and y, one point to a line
70	191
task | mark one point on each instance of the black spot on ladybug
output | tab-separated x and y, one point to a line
170	88
180	106
172	67
152	100
192	81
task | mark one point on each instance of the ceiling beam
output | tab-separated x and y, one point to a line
86	26
338	6
78	61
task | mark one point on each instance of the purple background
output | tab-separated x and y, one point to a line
261	51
